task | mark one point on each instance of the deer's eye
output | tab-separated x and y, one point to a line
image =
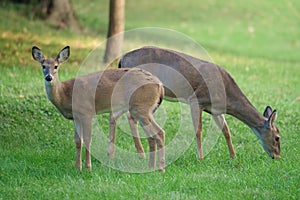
55	67
43	66
277	138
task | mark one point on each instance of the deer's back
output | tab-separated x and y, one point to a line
181	74
103	91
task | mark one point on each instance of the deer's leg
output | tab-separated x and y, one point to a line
84	133
156	136
152	152
152	144
136	137
196	112
160	141
78	143
112	133
221	122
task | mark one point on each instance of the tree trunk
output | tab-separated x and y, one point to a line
115	31
60	14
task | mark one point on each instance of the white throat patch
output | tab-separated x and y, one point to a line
49	85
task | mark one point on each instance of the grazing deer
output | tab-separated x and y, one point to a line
115	91
205	87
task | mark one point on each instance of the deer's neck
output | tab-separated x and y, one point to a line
55	93
60	94
241	108
53	90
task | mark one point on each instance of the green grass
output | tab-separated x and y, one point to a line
249	28
37	152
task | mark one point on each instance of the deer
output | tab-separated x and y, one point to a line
113	91
206	87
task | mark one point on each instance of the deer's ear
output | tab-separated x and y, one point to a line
268	111
63	55
272	119
37	54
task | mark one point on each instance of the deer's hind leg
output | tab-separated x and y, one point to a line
136	136
112	135
156	137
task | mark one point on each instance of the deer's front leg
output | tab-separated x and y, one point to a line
78	144
221	122
84	133
196	113
87	139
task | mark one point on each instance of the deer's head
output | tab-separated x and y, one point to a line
269	134
50	65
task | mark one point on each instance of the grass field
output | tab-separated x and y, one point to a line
257	42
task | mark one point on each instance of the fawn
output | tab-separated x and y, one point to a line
115	91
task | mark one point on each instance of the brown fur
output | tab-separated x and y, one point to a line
206	87
115	91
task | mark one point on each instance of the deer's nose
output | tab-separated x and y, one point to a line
48	78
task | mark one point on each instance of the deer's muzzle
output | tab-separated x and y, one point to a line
48	78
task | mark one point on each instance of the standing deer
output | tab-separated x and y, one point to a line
115	91
206	87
